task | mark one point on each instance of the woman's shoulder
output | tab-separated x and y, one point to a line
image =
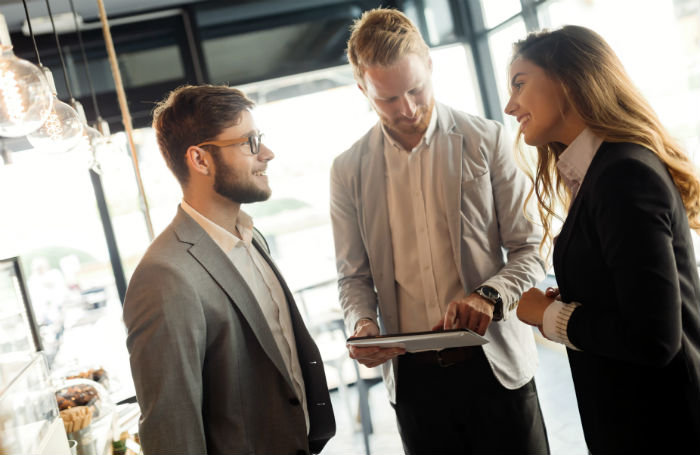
621	157
628	165
616	152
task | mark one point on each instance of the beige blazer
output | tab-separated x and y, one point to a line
492	241
208	375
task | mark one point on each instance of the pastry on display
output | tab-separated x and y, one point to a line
76	395
97	375
84	392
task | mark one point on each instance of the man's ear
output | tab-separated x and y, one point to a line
362	89
197	161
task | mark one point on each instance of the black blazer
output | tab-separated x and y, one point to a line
625	253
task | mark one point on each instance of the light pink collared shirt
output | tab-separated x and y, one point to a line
426	275
573	166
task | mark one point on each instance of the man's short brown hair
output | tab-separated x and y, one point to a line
381	37
193	114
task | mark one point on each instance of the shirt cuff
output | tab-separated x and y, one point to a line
556	320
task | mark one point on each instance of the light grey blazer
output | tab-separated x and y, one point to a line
486	193
209	377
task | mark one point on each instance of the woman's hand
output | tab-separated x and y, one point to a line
532	305
553	293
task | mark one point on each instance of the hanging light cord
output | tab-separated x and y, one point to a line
85	61
126	116
31	32
60	53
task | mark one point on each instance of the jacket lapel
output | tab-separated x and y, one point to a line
221	269
375	220
562	241
449	149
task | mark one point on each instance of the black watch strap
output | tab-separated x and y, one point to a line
494	297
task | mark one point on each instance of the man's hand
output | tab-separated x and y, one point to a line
472	312
533	303
371	356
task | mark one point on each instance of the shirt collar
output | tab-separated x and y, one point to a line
575	160
427	137
226	240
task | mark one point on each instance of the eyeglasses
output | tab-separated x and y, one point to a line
253	143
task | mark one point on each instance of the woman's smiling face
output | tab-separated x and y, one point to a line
538	103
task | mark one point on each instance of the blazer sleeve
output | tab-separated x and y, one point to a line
166	342
358	298
632	213
519	236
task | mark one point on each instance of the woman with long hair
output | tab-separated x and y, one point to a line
628	302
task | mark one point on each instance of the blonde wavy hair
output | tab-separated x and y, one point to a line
597	87
382	36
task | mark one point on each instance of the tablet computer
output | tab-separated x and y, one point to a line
421	341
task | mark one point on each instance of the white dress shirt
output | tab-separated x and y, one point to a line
265	286
427	278
573	165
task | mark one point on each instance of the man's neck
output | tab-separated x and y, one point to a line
407	141
217	209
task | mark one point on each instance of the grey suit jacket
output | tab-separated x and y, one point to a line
486	193
209	377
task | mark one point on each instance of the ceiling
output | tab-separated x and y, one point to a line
13	10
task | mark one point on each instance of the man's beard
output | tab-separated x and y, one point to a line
235	187
401	127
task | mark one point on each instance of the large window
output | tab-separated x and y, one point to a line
497	11
54	227
500	44
659	47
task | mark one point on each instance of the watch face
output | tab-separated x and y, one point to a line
490	293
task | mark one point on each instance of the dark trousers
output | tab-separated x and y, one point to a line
463	409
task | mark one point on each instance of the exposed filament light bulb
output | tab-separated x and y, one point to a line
12	99
25	95
61	132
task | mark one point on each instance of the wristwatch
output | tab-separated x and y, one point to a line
494	297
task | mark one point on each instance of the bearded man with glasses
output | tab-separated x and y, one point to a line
221	359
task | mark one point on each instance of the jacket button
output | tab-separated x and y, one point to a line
294	401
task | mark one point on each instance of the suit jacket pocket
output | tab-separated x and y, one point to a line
477	206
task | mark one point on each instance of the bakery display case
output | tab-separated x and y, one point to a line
29	417
29	420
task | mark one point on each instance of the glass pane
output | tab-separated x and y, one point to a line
496	11
123	198
439	22
659	47
56	231
454	78
501	46
15	323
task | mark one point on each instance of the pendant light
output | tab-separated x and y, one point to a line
96	139
25	95
63	129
